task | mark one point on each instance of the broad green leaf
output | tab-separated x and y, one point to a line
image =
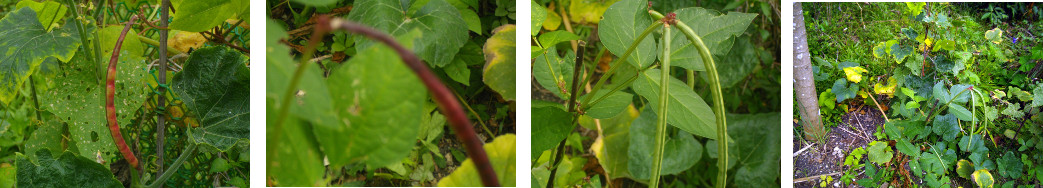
854	74
899	53
945	45
553	38
718	31
907	148
964	168
759	150
554	72
458	71
316	3
959	94
501	156
1037	96
131	46
1010	165
47	136
879	152
444	30
941	93
499	69
682	150
8	175
550	125
199	16
991	113
946	126
611	148
610	106
380	104
214	87
539	14
584	11
48	12
297	152
67	170
312	98
623	23
26	44
80	99
688	111
474	23
826	98
843	91
738	64
910	33
880	50
1013	111
960	112
973	144
995	35
983	178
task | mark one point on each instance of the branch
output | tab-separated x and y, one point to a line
110	106
440	93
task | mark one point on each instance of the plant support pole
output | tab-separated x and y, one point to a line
160	119
439	92
660	129
110	106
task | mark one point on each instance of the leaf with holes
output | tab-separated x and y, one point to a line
66	170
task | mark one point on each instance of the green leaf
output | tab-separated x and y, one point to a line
458	71
973	144
900	53
1010	165
610	106
964	168
718	31
80	99
199	16
682	150
553	72
826	98
8	175
539	14
983	178
907	148
312	98
611	148
27	44
48	12
499	69
297	152
1037	96
688	111
623	23
67	170
915	7
759	152
47	136
994	35
947	127
131	46
553	38
843	91
960	112
912	34
550	125
214	87
945	45
501	156
742	60
444	30
1012	110
379	120
879	152
474	23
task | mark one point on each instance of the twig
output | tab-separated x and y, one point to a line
809	178
795	154
878	107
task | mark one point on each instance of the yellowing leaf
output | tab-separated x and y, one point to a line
854	74
184	41
586	11
994	35
983	178
501	156
888	89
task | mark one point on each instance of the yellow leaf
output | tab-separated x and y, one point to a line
888	89
854	74
187	40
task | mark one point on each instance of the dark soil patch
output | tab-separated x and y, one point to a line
855	130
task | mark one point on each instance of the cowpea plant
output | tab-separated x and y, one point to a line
663	137
373	111
91	89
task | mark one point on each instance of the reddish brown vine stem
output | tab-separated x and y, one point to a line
441	94
110	93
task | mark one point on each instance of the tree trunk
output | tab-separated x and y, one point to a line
804	80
